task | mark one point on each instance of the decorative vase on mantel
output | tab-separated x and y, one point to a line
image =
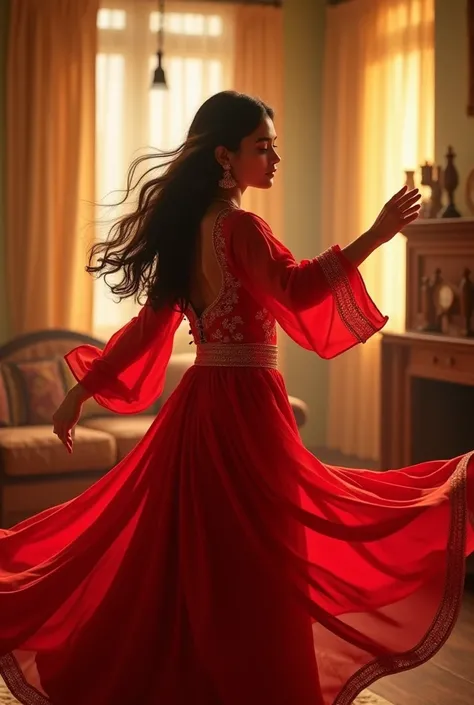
450	183
432	177
410	179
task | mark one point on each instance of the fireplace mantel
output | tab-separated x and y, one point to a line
443	355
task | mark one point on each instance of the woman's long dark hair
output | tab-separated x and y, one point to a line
154	247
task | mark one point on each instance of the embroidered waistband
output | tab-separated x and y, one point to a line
237	355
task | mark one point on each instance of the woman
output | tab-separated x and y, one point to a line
220	562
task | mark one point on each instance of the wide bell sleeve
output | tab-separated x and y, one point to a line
322	304
128	375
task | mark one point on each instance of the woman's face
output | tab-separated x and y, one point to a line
256	161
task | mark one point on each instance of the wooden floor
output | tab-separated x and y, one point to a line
448	679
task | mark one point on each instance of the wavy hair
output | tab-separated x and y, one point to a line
154	246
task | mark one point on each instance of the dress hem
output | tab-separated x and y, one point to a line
435	637
17	684
448	611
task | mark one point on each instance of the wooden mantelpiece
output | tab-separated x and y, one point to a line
422	421
445	244
407	357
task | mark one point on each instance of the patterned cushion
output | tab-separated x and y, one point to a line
35	388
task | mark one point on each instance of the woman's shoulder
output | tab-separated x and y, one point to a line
244	219
249	231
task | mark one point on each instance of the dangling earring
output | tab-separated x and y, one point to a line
227	180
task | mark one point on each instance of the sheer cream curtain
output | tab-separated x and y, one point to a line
131	118
258	70
50	128
378	122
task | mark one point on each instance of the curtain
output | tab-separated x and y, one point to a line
132	119
378	122
4	11
258	71
470	29
49	162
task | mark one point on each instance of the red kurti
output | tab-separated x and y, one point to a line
220	562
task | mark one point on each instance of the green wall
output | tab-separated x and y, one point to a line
452	124
4	7
304	22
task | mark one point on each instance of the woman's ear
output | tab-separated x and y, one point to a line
222	156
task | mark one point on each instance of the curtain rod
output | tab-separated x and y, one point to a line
269	3
275	3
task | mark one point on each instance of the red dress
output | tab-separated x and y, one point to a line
220	562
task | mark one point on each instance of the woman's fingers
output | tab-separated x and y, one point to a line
399	194
410	218
408	199
411	211
403	196
64	435
69	442
407	202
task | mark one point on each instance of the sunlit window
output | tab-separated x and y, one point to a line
188	23
111	19
132	119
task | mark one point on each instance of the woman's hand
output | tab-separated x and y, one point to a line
67	415
401	209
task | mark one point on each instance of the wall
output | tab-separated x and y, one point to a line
3	42
452	124
305	374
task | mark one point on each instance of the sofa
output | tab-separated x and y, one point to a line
36	472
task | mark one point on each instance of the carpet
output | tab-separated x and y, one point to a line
366	698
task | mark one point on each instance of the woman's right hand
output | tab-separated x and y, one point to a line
67	415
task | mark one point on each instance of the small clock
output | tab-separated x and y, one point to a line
444	298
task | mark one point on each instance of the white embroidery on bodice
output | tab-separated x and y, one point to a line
231	317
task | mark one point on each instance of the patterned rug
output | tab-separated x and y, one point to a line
366	698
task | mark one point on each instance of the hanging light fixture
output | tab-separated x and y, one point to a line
159	78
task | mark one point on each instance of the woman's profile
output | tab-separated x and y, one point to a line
221	563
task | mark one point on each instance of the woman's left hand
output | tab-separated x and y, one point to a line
66	417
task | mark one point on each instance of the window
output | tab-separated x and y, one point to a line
111	19
131	118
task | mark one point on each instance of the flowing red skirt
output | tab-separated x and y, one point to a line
221	563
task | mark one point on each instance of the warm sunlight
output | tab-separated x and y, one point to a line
404	112
379	117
